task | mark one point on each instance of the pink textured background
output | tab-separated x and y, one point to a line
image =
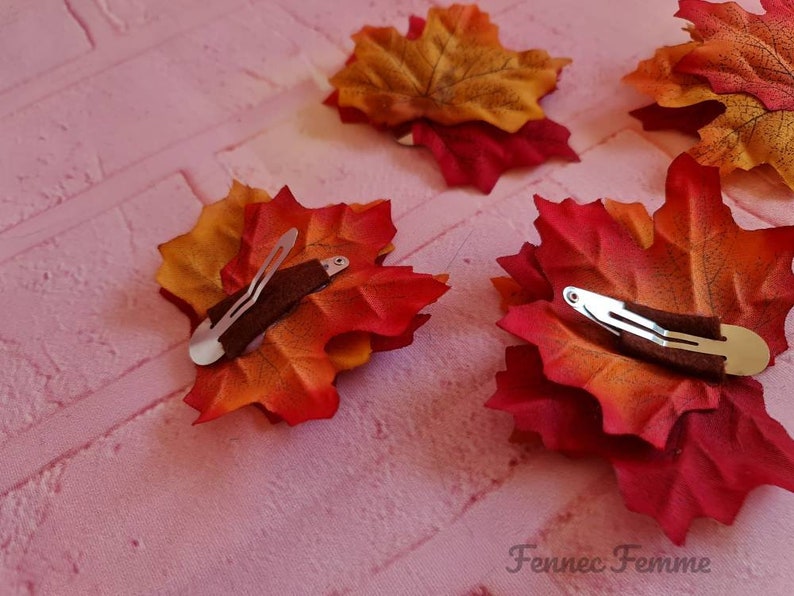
118	120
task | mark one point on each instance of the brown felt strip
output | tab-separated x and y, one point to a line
707	366
286	288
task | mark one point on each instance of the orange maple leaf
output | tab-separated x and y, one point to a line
455	71
292	373
690	258
658	77
743	52
744	136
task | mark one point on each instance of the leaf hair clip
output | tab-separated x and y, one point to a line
717	350
234	324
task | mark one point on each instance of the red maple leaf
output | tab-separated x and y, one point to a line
711	461
691	258
688	120
478	153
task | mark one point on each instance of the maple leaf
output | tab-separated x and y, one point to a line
658	77
744	135
190	275
687	119
691	258
192	262
742	52
739	60
474	152
292	373
350	115
477	153
455	71
709	464
526	282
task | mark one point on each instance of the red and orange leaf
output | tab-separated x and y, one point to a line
526	282
292	374
525	269
455	71
743	52
712	461
362	232
709	464
744	135
700	262
190	276
477	153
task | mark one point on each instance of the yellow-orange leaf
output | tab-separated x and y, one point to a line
657	77
192	262
456	71
744	136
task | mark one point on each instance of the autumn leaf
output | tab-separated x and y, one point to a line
713	460
351	115
686	119
743	52
192	262
526	282
736	128
633	218
658	77
472	151
743	136
746	135
292	373
691	258
709	464
455	71
477	153
190	275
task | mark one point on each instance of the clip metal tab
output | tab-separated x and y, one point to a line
744	352
206	346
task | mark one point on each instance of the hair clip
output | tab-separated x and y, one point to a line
693	343
234	324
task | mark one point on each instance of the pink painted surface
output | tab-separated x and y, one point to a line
119	119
